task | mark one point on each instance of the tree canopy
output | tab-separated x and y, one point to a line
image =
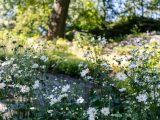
31	17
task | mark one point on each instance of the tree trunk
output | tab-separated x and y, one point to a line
134	8
57	19
142	8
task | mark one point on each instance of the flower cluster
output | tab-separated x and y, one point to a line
131	93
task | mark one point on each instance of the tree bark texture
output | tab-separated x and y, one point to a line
57	19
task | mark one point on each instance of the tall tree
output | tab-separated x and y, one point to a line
142	7
57	19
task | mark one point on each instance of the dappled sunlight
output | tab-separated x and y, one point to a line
79	60
3	107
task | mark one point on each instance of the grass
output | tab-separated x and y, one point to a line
64	57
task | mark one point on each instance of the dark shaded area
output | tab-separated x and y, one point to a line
124	26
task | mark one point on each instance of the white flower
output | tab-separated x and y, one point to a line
65	88
44	58
53	101
122	89
103	42
80	65
51	97
105	111
89	77
121	76
132	65
24	89
19	71
104	65
35	57
35	65
9	62
91	113
54	89
3	107
154	94
141	98
99	38
32	108
43	66
50	111
84	72
80	100
36	84
1	71
2	85
62	96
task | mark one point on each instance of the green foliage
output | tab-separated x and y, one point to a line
132	93
31	22
135	30
30	18
61	60
126	25
26	18
68	66
125	50
83	15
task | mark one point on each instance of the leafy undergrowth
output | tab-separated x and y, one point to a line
61	58
133	92
65	57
